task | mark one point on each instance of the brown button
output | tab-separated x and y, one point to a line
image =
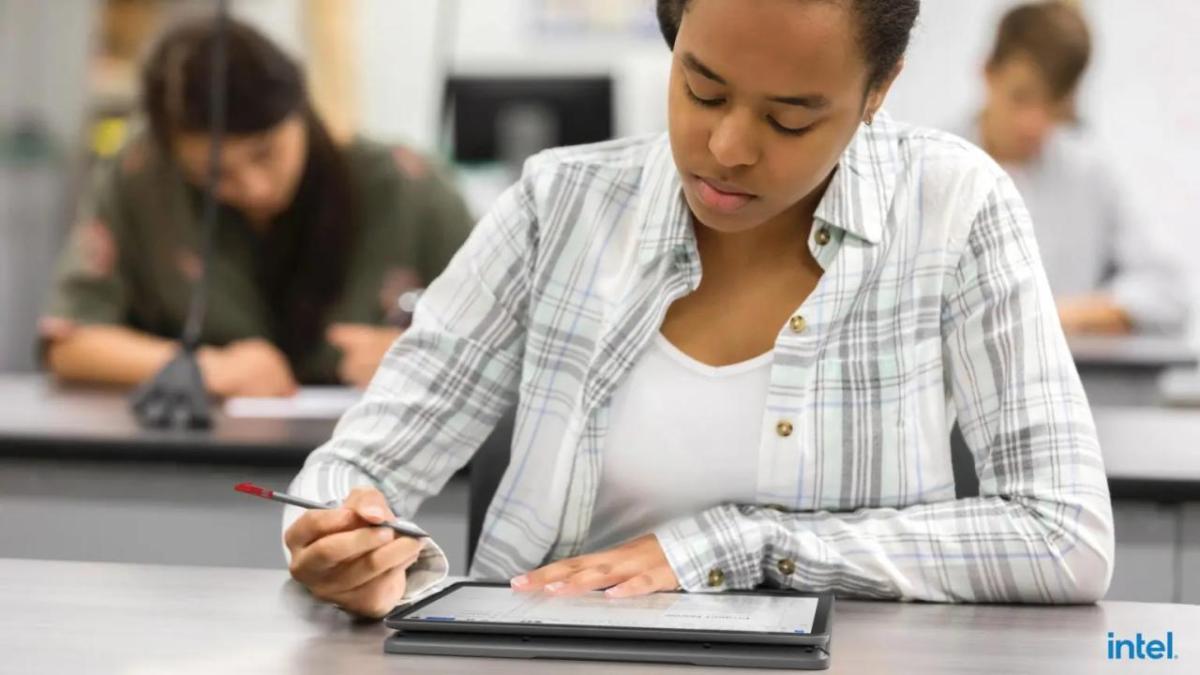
715	578
786	566
822	236
798	323
784	428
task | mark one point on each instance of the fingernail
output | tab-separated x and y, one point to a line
373	512
612	593
555	587
520	581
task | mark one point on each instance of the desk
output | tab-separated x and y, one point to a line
1125	370
80	480
1180	387
41	418
1151	453
1131	350
105	617
1160	445
1152	458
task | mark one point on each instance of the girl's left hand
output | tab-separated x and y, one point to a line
637	567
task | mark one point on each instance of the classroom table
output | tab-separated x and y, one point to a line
1125	370
1180	387
1151	453
108	617
81	481
39	417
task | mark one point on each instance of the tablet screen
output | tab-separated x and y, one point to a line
778	614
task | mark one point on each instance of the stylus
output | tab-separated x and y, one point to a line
252	489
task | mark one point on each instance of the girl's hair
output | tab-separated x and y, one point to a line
1053	34
884	29
263	87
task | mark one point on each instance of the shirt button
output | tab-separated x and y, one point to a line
798	323
715	578
786	566
784	428
822	236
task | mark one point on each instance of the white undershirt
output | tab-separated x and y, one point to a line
683	436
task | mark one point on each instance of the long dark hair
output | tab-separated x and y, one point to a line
264	86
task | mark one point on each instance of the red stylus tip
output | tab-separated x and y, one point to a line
252	489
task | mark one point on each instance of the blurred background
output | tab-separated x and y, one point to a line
479	85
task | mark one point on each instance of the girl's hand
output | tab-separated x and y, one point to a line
344	557
251	367
637	567
362	347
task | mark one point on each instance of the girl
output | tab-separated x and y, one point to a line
315	242
736	353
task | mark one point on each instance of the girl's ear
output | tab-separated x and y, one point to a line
878	93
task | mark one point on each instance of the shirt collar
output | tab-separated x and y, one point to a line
857	199
860	193
666	222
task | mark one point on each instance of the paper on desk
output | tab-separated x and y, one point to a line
308	403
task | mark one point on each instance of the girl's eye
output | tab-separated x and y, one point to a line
714	102
706	102
788	131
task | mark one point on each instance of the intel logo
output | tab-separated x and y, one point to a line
1140	649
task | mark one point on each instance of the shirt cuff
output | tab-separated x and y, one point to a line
719	549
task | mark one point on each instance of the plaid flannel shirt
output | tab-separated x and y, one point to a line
933	307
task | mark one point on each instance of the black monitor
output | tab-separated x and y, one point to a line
507	118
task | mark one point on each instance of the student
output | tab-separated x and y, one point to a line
315	242
737	351
1106	270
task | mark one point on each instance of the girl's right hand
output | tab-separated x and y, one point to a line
342	556
252	367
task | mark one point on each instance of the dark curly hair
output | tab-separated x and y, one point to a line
884	29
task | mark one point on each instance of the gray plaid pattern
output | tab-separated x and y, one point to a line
933	308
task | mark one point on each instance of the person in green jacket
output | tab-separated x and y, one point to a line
317	241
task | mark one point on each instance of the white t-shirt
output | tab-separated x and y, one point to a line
683	436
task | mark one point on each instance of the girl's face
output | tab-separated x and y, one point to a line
259	173
764	97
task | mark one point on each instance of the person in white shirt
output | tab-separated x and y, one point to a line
1108	271
736	351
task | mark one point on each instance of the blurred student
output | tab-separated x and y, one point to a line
1106	271
315	243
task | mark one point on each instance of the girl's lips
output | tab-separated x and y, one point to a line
720	200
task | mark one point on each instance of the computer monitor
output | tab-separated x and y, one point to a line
507	118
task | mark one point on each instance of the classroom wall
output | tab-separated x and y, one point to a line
42	97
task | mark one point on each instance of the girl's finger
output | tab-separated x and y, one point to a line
652	581
594	577
555	571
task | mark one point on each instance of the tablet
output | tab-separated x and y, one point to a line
783	618
718	654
